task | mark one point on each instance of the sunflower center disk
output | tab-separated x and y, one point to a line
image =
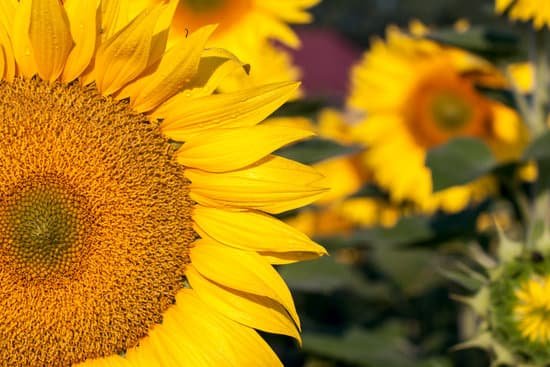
95	224
46	226
450	112
444	107
532	309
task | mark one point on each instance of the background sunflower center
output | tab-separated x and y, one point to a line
450	112
442	106
204	5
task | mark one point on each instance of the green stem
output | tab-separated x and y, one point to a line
539	219
521	101
541	207
540	103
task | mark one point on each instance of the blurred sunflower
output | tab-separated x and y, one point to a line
522	75
241	23
133	201
343	208
524	10
247	28
406	114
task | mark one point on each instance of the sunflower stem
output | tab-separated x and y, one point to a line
540	208
540	103
521	101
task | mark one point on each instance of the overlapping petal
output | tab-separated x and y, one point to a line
274	185
222	150
243	108
253	274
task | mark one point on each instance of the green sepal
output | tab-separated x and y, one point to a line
479	303
508	250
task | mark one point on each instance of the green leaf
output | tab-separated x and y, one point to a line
315	150
489	42
385	346
325	275
458	162
539	149
418	231
414	270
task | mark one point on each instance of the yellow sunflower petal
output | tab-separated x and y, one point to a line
113	19
276	29
176	69
232	228
110	361
255	311
214	66
82	16
155	350
251	273
223	150
273	185
8	59
123	57
2	61
163	347
342	175
21	43
50	37
243	108
193	334
7	10
283	258
294	11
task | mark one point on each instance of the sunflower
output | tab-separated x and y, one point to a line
524	10
134	203
522	75
406	114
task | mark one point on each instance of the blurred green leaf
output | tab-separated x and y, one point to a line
489	42
408	230
300	107
412	231
325	275
434	362
458	162
539	149
414	270
385	346
315	150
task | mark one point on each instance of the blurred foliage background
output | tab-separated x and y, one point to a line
383	298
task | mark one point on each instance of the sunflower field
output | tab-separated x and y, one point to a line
263	183
432	134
